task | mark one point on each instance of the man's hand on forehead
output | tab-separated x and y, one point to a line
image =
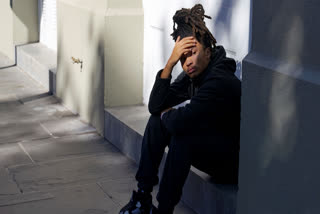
189	40
181	47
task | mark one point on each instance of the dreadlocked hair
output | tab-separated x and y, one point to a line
191	23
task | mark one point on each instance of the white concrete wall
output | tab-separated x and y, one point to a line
109	41
48	23
123	56
81	35
230	24
6	35
25	25
18	21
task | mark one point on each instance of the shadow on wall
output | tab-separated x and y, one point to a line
96	82
223	20
280	118
283	100
277	20
222	31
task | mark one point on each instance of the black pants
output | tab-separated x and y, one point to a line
184	151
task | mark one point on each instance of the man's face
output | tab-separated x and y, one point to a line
196	60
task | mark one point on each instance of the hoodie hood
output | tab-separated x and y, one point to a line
218	63
221	61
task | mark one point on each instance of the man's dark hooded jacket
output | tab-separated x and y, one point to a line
213	114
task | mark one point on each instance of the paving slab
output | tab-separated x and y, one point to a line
86	199
23	198
7	186
39	110
46	105
12	154
5	106
16	132
68	126
68	147
29	91
120	190
71	172
7	98
15	83
13	113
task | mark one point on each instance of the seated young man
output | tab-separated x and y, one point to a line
203	133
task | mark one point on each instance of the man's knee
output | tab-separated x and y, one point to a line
155	124
154	120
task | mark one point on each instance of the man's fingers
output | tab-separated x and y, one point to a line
189	38
188	45
189	42
185	39
186	48
184	44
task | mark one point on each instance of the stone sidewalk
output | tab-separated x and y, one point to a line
52	162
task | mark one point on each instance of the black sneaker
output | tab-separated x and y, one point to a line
140	203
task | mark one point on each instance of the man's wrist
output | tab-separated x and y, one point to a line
170	65
166	71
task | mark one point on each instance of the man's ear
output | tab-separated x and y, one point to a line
208	52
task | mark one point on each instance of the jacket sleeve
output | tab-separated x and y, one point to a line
165	95
204	108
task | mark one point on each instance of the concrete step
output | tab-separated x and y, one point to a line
124	128
39	62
